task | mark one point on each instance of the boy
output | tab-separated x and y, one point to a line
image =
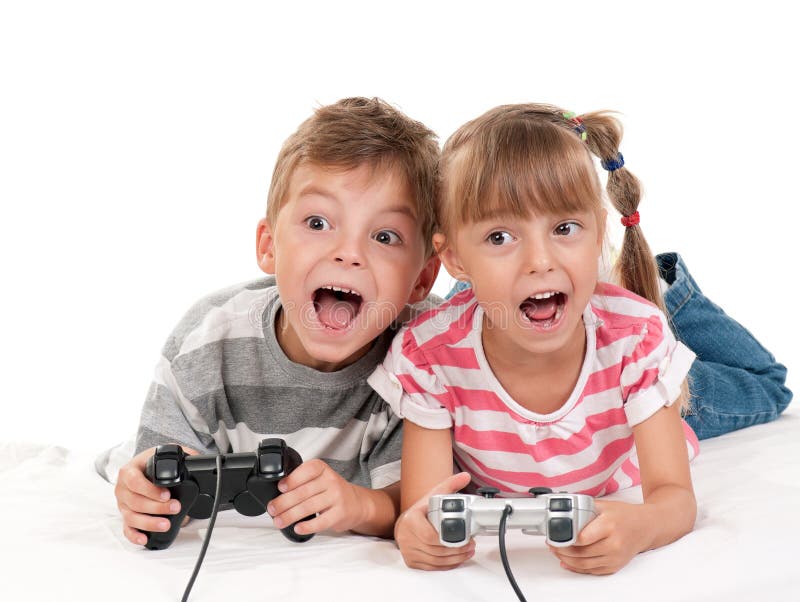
347	237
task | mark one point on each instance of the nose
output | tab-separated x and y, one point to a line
348	253
540	255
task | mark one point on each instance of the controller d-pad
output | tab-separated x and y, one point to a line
561	505
454	530
166	469
559	529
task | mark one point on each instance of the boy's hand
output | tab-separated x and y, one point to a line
315	488
138	499
418	540
607	543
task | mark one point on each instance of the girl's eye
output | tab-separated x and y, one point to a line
317	223
387	237
499	238
567	229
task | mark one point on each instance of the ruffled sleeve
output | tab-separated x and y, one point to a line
409	385
653	373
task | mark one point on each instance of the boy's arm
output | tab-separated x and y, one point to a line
622	530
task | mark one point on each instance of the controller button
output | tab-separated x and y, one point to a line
488	492
454	530
559	529
202	506
451	505
536	491
561	505
247	504
166	469
270	464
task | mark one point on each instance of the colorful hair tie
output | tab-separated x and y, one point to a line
579	128
630	220
613	164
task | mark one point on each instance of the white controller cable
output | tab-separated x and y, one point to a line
507	511
212	520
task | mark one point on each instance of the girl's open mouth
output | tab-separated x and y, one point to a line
336	307
544	310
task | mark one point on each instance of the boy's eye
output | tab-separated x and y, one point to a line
387	237
499	238
317	223
567	229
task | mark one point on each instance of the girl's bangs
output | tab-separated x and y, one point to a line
524	171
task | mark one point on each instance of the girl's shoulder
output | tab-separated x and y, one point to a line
445	324
619	312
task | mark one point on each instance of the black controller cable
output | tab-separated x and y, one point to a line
212	520
507	511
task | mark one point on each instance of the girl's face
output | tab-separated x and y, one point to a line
532	276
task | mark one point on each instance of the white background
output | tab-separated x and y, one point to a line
137	141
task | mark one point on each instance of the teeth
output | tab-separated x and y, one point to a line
340	289
544	295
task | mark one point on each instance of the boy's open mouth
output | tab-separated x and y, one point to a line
544	310
336	306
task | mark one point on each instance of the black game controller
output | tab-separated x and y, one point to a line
249	482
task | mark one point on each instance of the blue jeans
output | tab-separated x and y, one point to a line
734	381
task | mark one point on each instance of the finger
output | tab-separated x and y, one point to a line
144	522
451	484
304	473
307	507
134	536
143	505
596	570
598	548
296	496
420	560
133	478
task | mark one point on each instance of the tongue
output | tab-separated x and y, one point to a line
335	311
540	309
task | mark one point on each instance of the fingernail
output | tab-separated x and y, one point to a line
270	509
164	525
282	487
174	506
165	495
278	523
141	540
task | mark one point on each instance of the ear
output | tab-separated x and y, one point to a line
449	257
424	283
265	246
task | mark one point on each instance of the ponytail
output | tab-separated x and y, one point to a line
636	269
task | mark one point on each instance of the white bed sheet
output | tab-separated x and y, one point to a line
62	540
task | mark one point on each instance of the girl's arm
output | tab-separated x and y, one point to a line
426	461
427	469
622	530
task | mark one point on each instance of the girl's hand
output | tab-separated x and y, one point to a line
418	540
608	543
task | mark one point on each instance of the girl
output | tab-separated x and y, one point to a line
539	374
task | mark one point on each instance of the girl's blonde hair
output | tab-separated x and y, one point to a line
536	158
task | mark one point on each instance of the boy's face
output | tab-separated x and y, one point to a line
347	255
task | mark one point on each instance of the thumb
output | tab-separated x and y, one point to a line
451	484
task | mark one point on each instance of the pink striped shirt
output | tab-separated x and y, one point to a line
436	375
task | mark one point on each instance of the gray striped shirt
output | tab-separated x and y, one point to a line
223	383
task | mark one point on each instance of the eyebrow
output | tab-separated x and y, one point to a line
314	190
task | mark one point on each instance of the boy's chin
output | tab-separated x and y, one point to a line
333	356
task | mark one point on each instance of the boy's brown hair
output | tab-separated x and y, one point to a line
358	131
